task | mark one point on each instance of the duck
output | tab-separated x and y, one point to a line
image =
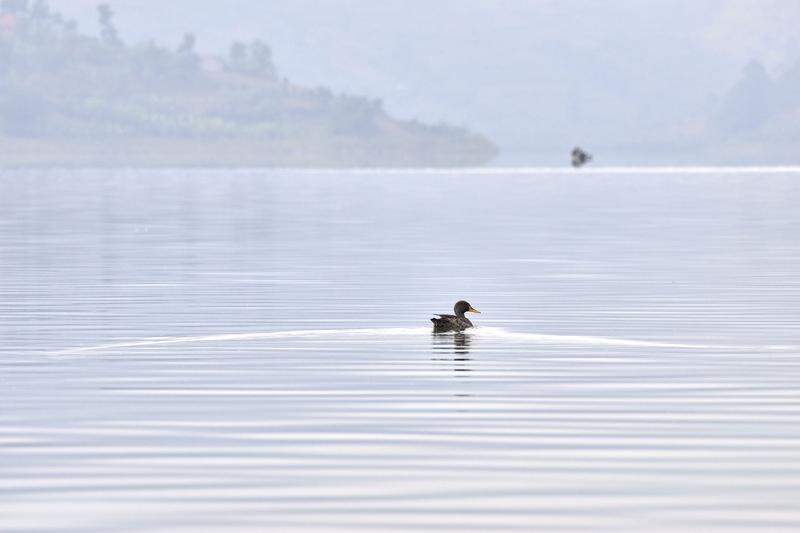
457	322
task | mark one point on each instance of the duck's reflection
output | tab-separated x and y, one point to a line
461	346
453	348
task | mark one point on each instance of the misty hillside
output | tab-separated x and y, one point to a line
630	80
63	92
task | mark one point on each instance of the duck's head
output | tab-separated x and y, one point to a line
462	307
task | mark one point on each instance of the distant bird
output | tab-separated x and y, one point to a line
579	157
457	322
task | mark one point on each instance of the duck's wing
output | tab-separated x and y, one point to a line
446	323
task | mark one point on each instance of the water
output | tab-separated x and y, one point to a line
250	351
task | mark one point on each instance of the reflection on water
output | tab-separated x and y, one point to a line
461	346
456	344
452	347
251	351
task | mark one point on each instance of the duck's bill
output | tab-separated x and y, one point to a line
473	310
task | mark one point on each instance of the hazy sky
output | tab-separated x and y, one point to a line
533	75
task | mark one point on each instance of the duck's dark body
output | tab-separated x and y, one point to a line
457	322
450	323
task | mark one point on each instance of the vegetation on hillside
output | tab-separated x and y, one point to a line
58	84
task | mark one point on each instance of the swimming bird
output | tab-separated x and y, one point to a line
580	157
457	322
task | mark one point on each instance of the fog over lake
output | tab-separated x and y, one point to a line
250	350
666	81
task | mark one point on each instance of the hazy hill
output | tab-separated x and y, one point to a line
626	78
67	97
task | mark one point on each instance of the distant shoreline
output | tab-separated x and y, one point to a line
354	154
237	152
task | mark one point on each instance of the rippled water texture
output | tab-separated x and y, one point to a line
250	350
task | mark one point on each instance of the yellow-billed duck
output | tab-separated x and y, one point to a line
457	322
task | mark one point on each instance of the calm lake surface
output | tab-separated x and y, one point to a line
250	351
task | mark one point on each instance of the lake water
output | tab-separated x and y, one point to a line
251	350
